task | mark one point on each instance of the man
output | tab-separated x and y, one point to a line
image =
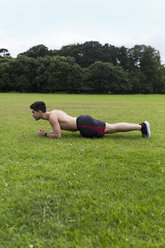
88	126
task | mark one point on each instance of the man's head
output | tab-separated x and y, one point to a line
38	106
37	109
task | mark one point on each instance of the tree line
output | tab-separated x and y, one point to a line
84	68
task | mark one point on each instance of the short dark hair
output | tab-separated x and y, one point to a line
39	106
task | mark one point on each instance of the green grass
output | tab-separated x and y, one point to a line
81	193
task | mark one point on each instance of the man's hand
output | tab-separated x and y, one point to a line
41	132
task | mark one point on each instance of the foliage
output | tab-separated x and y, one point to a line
4	53
88	68
107	78
63	75
145	66
89	52
36	51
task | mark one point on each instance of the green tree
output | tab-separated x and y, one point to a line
162	88
123	58
4	53
42	74
23	68
144	68
63	75
107	78
87	53
36	51
109	54
5	77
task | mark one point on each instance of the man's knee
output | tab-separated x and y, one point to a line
109	128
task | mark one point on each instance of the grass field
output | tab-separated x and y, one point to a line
82	193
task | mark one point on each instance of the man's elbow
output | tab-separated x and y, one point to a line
56	135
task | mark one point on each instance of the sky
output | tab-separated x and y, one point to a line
55	23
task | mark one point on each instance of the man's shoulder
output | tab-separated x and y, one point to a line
54	112
53	116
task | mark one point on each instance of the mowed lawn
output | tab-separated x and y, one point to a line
75	192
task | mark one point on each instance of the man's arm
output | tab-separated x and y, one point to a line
56	129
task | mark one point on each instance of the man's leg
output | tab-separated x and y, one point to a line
121	127
126	127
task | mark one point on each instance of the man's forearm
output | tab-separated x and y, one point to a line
52	135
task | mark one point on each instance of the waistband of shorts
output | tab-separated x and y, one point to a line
77	119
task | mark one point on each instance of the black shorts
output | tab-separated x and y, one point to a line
90	127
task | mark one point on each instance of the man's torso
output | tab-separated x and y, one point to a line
65	121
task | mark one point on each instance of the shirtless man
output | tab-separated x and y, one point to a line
85	124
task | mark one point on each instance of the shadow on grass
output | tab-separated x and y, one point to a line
122	136
106	136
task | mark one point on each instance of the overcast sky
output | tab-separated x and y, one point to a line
54	23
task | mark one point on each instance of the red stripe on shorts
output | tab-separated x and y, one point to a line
100	129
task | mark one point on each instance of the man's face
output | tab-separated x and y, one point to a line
36	114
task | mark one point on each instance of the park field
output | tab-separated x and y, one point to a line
75	192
